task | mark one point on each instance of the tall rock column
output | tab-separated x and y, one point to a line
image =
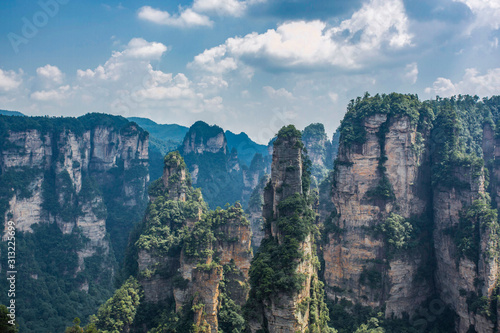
187	255
286	295
465	227
379	186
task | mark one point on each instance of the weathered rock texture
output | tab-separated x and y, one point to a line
286	311
357	250
189	273
64	168
220	174
319	150
412	221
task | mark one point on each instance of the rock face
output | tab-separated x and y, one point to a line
284	205
319	150
67	162
464	277
203	138
85	175
220	174
355	254
255	211
412	221
195	252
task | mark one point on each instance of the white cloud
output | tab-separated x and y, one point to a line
411	73
186	18
487	12
221	7
472	83
51	95
214	60
134	58
282	92
354	42
139	48
334	97
10	80
51	74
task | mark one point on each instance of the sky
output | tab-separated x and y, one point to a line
245	65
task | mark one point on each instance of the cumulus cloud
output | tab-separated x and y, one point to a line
51	74
52	95
10	80
376	26
134	58
221	7
472	83
281	93
186	18
411	73
194	16
487	12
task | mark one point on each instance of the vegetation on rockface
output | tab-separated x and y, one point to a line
455	145
171	227
118	313
218	181
16	182
476	221
230	315
317	144
273	271
53	287
164	228
352	130
347	317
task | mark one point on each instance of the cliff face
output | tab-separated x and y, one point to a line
70	163
357	262
185	252
292	274
77	174
319	150
413	221
218	172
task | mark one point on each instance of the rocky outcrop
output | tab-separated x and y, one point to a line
357	261
65	166
204	138
187	261
288	221
254	211
319	151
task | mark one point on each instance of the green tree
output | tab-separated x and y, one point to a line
118	313
75	328
5	326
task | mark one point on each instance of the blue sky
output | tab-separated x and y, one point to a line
246	65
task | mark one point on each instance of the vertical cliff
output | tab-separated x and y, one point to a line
413	228
466	227
319	150
73	187
380	195
286	294
192	263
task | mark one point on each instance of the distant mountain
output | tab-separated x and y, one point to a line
163	138
245	146
163	132
11	113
